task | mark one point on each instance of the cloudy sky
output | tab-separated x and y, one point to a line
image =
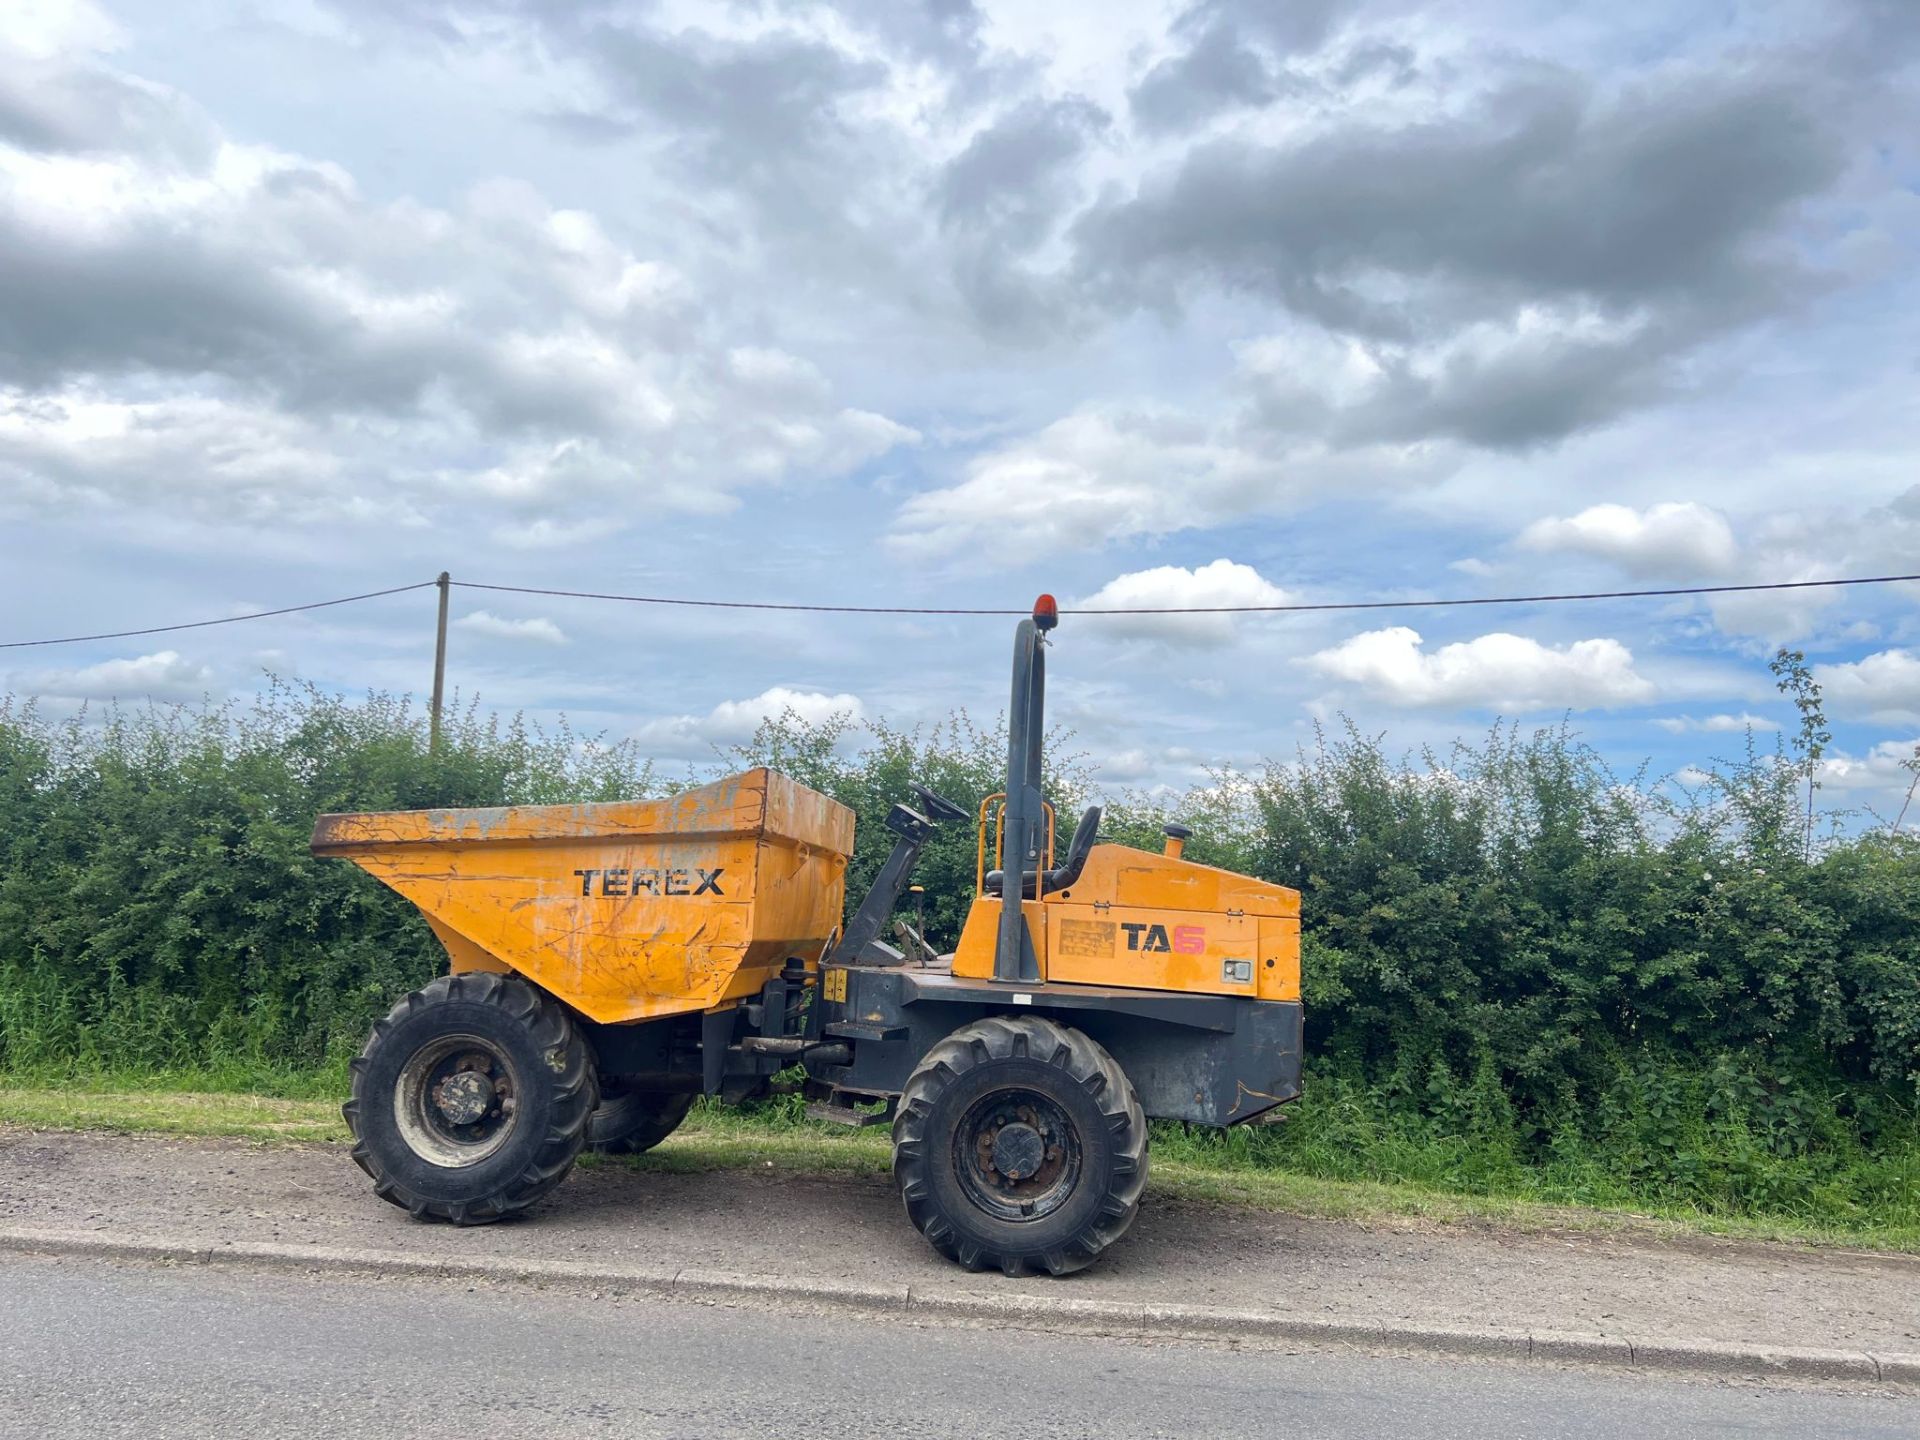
944	303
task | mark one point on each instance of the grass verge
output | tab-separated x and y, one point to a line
719	1139
172	1112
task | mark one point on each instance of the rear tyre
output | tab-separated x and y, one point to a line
629	1122
1019	1145
471	1098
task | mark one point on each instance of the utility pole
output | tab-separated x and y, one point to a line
439	666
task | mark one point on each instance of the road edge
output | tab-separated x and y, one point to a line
1718	1359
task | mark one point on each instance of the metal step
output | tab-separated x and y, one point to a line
845	1115
859	1030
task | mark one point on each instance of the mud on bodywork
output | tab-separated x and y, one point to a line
624	910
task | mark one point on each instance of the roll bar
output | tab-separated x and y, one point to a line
1014	958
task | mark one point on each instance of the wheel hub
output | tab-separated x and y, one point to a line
456	1100
1018	1151
464	1097
1017	1154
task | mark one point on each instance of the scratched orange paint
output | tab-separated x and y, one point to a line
627	910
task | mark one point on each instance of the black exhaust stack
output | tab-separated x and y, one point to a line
1023	824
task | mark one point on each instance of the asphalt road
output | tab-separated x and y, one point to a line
99	1350
1631	1285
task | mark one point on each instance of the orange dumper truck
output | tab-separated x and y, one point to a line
611	963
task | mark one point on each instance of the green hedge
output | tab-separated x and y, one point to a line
159	909
1517	963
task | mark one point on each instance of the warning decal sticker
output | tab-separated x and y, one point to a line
1087	939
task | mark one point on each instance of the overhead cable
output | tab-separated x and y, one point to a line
1292	608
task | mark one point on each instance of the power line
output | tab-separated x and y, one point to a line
1203	609
740	604
224	620
1295	609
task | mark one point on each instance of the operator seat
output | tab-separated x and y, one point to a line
1064	875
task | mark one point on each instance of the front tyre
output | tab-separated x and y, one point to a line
1019	1145
470	1099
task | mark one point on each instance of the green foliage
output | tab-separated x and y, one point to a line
1794	678
1521	898
159	909
1719	1138
1526	975
957	760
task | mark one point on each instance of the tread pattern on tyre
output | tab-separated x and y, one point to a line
576	1095
631	1124
1089	1066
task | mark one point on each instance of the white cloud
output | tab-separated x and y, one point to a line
1776	617
335	352
529	477
1084	481
1883	687
163	675
43	29
1223	582
733	721
1824	542
194	324
223	457
1547	369
1692	541
1673	539
1716	724
741	717
542	533
1492	672
1883	775
485	622
1106	474
1124	767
